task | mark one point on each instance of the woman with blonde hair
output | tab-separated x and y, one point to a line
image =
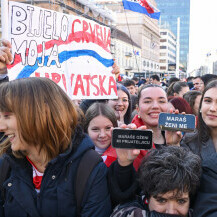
43	148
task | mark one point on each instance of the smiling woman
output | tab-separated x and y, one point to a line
204	143
152	101
44	147
122	106
99	121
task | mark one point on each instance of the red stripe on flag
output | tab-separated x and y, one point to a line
78	37
145	4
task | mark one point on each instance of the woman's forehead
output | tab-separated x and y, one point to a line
122	93
153	92
212	92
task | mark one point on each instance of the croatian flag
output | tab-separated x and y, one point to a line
142	6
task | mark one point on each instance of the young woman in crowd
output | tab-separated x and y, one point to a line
152	101
204	143
122	106
43	149
168	178
99	121
178	88
193	97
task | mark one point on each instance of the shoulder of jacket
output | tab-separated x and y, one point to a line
190	137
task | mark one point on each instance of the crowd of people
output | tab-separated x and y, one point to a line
45	137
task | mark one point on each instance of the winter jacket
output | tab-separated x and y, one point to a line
206	198
56	197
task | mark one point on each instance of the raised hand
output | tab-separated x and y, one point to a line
127	156
5	56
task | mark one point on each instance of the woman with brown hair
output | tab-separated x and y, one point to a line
178	88
44	146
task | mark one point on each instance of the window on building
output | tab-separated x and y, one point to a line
163	40
163	61
162	67
163	47
163	33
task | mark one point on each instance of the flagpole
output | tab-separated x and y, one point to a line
130	36
4	18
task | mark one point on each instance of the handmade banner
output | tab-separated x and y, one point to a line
72	51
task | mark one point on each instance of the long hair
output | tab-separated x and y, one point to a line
98	109
127	116
176	87
203	129
191	96
46	117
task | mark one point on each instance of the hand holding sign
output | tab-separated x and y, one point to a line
5	56
173	124
127	156
115	70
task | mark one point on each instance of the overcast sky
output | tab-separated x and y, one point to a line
203	31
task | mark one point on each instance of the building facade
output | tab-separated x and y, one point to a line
167	53
170	11
126	53
143	30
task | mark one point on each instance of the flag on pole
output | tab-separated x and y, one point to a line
142	6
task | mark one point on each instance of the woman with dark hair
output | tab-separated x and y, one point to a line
99	121
204	143
152	101
180	104
122	105
43	149
168	178
193	97
178	88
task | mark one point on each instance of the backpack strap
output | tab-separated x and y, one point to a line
4	174
88	162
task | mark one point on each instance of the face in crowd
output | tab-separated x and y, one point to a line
99	130
131	89
99	121
170	203
182	92
152	102
41	134
8	125
196	105
168	177
198	84
209	108
120	105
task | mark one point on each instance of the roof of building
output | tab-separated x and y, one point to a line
105	12
118	34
